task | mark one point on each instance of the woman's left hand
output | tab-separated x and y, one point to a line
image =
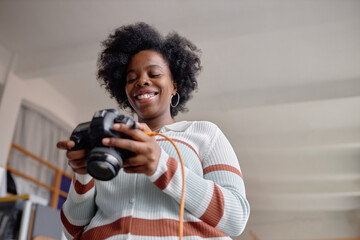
144	146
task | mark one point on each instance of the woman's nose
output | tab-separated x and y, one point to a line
143	81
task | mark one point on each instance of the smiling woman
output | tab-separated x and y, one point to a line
149	88
144	71
179	54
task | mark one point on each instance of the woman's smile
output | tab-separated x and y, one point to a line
145	96
149	86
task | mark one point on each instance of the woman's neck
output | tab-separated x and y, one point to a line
156	124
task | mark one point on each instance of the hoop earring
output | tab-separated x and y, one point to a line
178	100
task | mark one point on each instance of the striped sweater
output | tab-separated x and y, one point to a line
135	206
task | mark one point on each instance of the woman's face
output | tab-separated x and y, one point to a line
149	85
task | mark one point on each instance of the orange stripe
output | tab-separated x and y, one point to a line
145	227
186	144
72	229
81	188
215	210
166	177
222	167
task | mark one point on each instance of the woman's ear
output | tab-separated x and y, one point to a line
175	88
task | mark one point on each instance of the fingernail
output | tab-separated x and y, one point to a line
106	141
117	126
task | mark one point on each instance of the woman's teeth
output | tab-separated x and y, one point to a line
144	96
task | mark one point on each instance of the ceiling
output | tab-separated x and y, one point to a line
281	79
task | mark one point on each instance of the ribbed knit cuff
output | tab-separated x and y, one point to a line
83	178
161	167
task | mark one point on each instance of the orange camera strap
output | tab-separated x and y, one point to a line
182	201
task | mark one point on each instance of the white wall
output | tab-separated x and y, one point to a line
5	56
5	60
275	225
37	93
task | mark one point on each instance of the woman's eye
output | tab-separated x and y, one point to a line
130	80
155	75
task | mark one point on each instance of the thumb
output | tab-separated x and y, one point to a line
143	127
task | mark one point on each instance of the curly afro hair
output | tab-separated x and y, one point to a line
182	56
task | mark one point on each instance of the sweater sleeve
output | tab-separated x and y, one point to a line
218	198
79	207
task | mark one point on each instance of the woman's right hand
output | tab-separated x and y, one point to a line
77	158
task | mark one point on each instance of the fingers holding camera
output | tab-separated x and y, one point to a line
135	133
65	144
145	163
147	153
143	127
77	160
78	166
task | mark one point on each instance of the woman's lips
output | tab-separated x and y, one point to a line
145	97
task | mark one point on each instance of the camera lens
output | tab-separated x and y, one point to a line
104	163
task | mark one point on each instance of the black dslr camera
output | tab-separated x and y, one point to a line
103	162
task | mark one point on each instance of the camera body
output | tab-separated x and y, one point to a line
103	162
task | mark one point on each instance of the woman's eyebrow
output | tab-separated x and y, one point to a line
129	71
154	66
150	66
